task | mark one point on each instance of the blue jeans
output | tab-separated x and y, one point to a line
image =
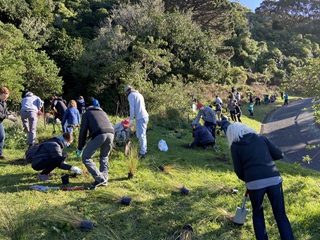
276	198
211	127
2	137
141	128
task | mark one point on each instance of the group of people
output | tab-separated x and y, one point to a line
91	120
253	155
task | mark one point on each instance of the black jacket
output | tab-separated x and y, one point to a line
96	121
49	149
3	110
60	107
253	157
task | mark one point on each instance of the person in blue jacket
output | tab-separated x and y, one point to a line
253	158
71	117
202	136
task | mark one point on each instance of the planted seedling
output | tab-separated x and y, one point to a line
108	195
66	216
133	162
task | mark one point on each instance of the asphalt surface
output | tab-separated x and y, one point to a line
292	128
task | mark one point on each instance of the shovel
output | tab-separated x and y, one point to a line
241	213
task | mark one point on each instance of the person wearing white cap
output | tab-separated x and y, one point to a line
139	113
30	106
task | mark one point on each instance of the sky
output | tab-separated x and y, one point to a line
251	4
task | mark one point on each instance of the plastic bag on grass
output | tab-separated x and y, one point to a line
162	145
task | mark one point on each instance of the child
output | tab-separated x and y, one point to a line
250	108
122	130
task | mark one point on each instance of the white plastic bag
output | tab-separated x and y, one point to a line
162	145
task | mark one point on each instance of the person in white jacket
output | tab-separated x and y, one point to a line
138	113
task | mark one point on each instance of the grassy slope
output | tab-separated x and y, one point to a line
158	210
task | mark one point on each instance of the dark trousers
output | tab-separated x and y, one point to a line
239	117
211	127
233	115
48	165
275	195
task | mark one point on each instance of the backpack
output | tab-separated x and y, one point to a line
30	153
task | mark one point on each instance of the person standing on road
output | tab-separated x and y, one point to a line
208	116
30	107
101	134
253	158
4	95
139	113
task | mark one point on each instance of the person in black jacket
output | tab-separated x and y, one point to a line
4	94
101	134
202	136
49	156
58	104
253	158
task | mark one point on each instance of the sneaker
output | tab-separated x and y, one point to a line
2	156
96	184
140	155
43	177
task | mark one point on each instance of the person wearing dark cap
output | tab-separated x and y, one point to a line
4	95
208	116
139	113
30	106
202	136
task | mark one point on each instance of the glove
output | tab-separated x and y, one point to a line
76	169
78	152
131	122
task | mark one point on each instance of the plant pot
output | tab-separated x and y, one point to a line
65	179
126	201
184	191
130	175
161	168
86	224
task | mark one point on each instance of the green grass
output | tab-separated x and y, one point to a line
158	210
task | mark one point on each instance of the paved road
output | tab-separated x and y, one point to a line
292	128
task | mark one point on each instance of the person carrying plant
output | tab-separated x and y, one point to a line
139	113
101	134
253	157
208	116
30	107
49	155
4	95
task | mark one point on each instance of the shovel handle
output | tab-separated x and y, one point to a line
247	193
245	199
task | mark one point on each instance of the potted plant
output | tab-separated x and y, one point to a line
105	194
170	169
66	216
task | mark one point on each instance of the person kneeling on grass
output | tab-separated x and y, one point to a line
49	156
223	124
202	137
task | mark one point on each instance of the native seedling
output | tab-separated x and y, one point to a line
133	162
105	194
66	216
186	232
220	213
